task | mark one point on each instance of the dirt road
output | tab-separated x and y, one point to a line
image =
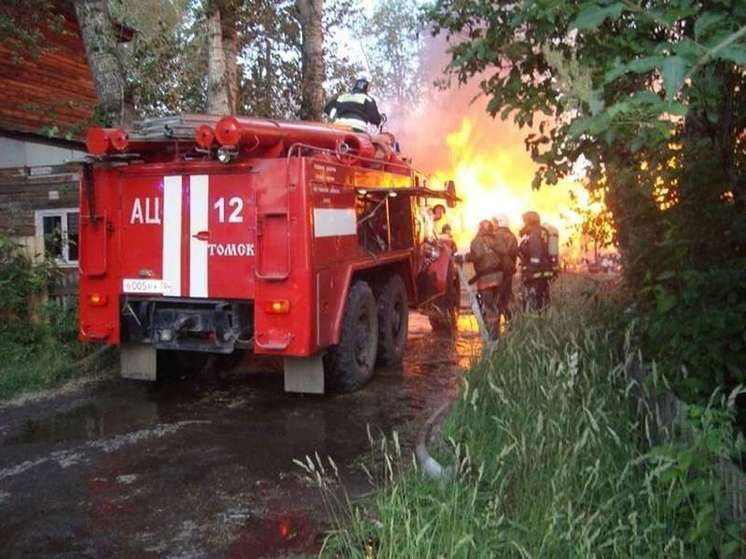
200	467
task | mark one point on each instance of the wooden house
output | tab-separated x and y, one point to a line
47	101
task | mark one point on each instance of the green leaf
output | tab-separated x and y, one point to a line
734	53
645	97
705	22
673	70
594	15
688	49
645	64
578	127
618	108
615	72
664	301
678	109
596	102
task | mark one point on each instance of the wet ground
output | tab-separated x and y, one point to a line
202	466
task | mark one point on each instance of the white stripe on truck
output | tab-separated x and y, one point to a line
199	191
332	222
172	236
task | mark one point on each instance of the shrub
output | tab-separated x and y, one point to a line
20	279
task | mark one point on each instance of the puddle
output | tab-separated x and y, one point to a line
276	536
216	450
91	420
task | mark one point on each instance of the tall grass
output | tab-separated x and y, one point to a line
546	452
41	354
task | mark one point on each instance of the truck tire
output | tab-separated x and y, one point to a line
449	303
349	365
393	321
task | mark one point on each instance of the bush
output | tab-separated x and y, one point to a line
20	279
38	343
548	461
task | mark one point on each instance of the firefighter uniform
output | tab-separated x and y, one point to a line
353	110
487	256
509	245
536	270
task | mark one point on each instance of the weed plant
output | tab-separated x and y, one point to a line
547	461
38	344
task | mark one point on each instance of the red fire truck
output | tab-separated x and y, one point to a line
203	235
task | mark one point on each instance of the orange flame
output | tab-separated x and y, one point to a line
495	178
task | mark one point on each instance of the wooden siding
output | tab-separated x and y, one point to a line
27	189
54	88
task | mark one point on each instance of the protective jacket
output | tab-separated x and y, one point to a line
355	110
487	255
534	252
509	245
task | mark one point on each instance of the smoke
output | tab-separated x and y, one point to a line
451	136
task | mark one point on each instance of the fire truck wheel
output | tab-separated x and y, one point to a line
393	321
349	365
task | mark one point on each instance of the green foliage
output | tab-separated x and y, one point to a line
545	448
167	59
651	97
23	30
391	38
20	279
688	471
38	343
41	353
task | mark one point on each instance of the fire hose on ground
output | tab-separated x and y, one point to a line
430	466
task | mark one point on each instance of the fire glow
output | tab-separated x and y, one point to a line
494	177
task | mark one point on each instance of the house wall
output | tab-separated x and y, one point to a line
24	153
24	191
27	189
50	92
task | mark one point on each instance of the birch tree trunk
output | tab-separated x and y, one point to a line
228	17
115	106
312	103
222	51
217	92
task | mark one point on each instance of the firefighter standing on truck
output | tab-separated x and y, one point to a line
509	243
356	109
536	270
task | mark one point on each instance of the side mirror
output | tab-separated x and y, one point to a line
451	191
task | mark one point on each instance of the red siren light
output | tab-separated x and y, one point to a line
97	141
119	139
204	136
228	131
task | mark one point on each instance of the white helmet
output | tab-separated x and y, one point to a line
501	220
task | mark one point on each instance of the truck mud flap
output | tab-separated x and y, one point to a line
138	361
304	374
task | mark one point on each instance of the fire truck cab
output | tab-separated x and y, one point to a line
203	235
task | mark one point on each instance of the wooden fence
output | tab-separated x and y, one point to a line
63	286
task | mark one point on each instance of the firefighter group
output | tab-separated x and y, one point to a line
496	252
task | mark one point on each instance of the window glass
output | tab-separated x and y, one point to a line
72	236
53	235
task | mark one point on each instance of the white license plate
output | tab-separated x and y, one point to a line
149	286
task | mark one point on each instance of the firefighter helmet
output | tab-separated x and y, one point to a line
501	220
361	85
531	218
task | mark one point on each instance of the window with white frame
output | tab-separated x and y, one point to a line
59	229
